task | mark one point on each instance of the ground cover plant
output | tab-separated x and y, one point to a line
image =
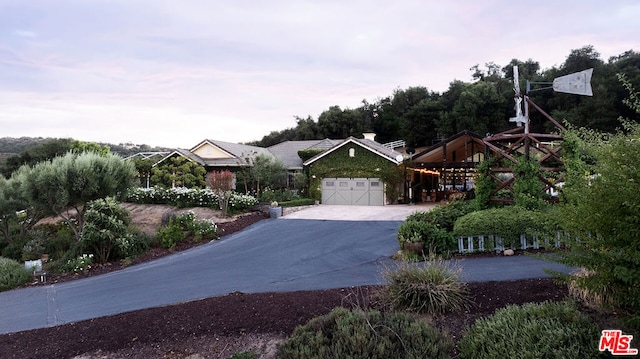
357	333
12	274
546	330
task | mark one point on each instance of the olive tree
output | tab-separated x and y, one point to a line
64	185
17	214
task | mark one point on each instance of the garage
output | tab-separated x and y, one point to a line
353	191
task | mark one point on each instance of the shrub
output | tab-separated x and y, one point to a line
547	330
106	225
433	229
132	245
61	239
365	334
507	223
298	202
13	250
245	355
189	197
34	247
434	287
601	202
183	224
171	234
443	216
430	235
12	274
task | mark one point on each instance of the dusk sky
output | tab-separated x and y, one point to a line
172	73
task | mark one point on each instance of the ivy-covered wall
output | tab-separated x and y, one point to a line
364	164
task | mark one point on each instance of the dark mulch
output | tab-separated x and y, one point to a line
239	315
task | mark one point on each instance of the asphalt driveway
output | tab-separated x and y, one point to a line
301	251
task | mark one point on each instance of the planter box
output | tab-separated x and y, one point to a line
275	212
35	265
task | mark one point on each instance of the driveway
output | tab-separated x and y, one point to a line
306	250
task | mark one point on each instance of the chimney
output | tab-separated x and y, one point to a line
369	136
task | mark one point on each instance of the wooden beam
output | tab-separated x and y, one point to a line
526	98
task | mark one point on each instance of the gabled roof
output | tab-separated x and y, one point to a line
184	153
373	146
458	143
234	149
288	151
238	154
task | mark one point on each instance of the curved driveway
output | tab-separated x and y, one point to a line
317	248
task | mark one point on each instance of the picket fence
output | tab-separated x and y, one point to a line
482	243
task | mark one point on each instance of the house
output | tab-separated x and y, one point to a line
215	155
356	172
369	168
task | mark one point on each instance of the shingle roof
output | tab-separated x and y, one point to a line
372	146
288	151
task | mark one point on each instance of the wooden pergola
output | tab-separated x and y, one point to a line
446	167
507	146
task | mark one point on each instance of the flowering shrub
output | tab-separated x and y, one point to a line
186	224
188	197
79	263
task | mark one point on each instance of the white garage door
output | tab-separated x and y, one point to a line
353	191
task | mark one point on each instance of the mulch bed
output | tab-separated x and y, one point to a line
240	315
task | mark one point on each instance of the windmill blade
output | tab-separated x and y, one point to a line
516	81
578	83
520	118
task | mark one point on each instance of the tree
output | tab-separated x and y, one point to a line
71	181
178	171
222	183
268	172
15	209
45	151
601	202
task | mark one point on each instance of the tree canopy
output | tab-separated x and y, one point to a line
420	116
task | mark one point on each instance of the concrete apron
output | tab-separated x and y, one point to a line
396	212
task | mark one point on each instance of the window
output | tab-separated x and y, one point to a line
344	184
329	183
359	184
375	184
352	152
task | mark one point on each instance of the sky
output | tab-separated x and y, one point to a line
173	73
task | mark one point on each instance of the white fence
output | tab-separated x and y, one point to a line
484	243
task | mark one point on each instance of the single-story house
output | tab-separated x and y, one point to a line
369	169
356	172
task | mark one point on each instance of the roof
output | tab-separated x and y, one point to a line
455	145
288	151
373	146
184	153
239	154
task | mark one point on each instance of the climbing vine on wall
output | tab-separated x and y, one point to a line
363	164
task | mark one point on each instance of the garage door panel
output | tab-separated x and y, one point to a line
353	191
376	192
328	191
360	192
